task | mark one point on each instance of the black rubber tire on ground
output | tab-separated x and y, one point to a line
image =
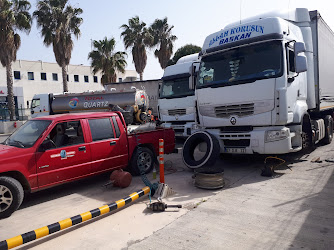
12	191
142	157
211	155
328	129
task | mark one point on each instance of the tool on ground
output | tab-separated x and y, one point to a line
163	191
161	206
269	168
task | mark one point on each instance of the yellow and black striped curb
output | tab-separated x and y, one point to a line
55	227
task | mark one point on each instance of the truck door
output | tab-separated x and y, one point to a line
106	147
65	154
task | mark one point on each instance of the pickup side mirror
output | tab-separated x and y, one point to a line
301	64
299	47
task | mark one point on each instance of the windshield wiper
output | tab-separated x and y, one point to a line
8	142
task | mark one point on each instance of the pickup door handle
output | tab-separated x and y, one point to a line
83	148
112	143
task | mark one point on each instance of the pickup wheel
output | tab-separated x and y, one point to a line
142	161
328	129
11	196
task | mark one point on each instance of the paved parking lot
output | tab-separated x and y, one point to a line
294	209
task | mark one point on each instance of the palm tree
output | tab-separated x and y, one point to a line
163	38
14	16
136	36
59	21
106	60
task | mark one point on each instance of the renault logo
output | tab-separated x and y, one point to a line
176	117
233	120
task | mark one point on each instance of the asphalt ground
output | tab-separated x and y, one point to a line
292	210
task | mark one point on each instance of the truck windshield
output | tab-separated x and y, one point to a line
176	88
27	134
241	65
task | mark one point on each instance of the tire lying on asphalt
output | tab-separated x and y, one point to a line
206	143
11	196
142	159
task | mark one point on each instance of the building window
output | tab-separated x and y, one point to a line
67	78
86	78
17	75
43	76
76	78
95	78
31	76
120	80
55	76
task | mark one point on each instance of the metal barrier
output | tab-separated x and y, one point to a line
20	113
55	227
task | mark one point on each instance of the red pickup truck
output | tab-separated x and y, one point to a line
52	150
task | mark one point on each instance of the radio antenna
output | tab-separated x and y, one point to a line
240	10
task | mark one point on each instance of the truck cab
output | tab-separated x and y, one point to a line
257	89
176	101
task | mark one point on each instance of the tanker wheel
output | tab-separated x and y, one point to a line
328	129
142	161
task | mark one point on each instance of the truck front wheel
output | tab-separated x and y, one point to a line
328	129
142	161
11	196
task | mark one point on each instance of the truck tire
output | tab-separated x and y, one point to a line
11	196
210	156
328	129
142	160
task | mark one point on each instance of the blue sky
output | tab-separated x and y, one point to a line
193	21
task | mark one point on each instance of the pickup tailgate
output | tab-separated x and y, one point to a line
152	138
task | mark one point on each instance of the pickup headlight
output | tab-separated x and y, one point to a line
275	135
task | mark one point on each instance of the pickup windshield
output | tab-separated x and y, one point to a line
27	134
241	65
176	88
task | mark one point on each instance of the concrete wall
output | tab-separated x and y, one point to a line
8	127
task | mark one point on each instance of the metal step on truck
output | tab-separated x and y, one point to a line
265	86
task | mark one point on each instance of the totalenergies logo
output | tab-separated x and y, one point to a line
74	102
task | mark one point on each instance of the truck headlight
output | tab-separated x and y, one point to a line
275	135
195	127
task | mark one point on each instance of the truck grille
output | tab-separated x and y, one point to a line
238	110
177	112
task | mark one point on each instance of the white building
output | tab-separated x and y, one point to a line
37	77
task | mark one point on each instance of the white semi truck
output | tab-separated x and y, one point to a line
176	104
265	86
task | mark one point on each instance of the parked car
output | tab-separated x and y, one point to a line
57	149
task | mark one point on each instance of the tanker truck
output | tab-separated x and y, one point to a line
133	104
265	86
176	104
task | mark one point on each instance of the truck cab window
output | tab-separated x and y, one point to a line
35	103
291	61
101	129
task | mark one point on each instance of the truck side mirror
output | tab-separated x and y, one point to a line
299	47
301	64
193	72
